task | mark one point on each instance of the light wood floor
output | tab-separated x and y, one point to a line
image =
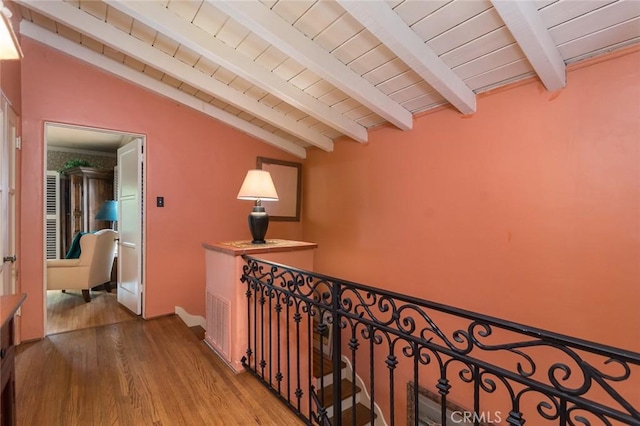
68	311
135	373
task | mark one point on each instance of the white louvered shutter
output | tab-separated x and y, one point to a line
53	215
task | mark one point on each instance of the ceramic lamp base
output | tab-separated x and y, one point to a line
258	224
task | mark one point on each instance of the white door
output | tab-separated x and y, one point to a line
8	139
130	216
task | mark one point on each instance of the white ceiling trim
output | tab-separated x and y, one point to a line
258	18
87	55
524	21
394	33
111	36
164	21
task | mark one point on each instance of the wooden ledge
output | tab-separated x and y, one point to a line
9	305
238	248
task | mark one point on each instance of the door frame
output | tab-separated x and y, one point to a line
143	246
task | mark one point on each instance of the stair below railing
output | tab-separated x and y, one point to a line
361	411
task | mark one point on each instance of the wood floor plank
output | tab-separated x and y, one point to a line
137	372
68	311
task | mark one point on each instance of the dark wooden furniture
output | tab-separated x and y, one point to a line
84	189
8	307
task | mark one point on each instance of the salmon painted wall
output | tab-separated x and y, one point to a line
196	163
528	210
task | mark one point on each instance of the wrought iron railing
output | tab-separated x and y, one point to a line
475	369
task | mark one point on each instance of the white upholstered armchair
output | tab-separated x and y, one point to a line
91	269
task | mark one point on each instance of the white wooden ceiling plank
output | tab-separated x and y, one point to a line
232	33
252	46
305	79
25	13
143	32
399	82
291	11
96	9
562	11
414	11
152	72
240	84
479	25
320	88
165	44
496	77
233	110
187	55
186	9
92	44
448	17
425	102
224	76
206	66
44	21
310	122
476	48
541	4
119	20
490	61
604	40
333	97
355	47
283	108
288	69
337	33
332	134
204	96
113	37
346	105
411	92
296	115
188	89
386	71
113	54
133	63
271	58
371	120
274	29
246	116
209	19
219	103
237	64
256	93
173	82
69	33
269	3
388	27
269	128
270	100
600	19
318	18
372	60
358	113
526	26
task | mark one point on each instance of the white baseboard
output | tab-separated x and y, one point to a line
190	320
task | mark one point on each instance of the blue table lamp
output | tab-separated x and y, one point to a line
108	212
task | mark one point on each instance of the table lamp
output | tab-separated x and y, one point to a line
258	186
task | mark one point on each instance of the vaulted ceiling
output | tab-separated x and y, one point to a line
303	73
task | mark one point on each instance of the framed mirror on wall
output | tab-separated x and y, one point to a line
287	178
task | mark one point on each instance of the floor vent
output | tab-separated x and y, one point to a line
218	324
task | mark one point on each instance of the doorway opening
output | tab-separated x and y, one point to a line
85	168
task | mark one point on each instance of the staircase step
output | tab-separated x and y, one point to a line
327	364
361	413
346	388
